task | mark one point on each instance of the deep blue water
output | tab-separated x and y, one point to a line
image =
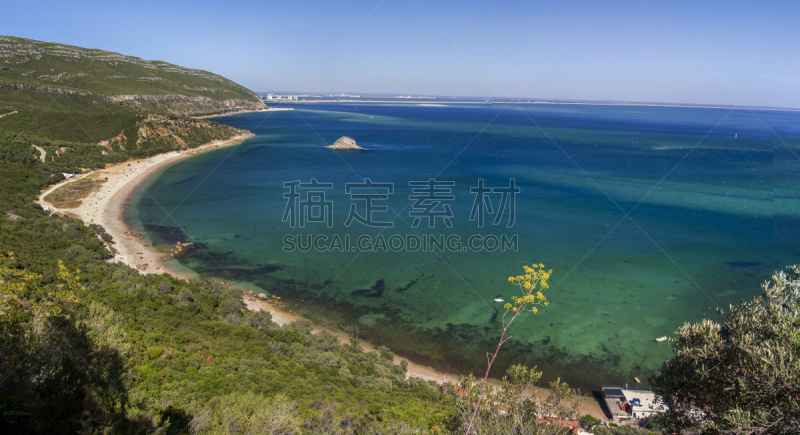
649	217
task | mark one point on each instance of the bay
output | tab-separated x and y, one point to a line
649	217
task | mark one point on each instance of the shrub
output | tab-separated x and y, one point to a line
385	353
165	287
247	413
589	421
185	295
261	320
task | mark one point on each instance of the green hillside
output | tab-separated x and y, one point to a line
88	346
86	108
33	72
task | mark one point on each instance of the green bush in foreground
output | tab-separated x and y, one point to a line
741	376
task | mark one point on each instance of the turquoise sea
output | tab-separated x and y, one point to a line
649	217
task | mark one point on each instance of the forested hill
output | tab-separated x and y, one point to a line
91	346
86	108
32	71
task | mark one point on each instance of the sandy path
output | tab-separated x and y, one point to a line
42	152
105	206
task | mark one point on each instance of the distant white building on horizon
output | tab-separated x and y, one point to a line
273	97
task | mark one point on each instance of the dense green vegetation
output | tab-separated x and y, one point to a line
187	343
60	98
741	375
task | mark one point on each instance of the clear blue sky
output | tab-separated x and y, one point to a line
696	51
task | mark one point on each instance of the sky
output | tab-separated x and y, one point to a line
668	51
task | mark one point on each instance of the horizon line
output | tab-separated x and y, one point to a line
373	97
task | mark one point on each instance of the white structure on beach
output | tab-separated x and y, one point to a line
631	402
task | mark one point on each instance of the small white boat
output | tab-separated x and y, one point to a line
664	338
499	300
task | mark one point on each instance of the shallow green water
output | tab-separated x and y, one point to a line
649	218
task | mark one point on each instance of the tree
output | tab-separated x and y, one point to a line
261	320
741	376
534	277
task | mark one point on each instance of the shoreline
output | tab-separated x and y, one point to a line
105	207
588	405
239	112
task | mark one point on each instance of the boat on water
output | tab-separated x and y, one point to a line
499	300
664	338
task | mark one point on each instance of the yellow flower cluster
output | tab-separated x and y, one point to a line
535	277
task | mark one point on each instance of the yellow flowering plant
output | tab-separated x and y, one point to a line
530	299
535	277
20	297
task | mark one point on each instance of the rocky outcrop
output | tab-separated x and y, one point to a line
117	141
42	89
186	105
154	98
182	249
345	143
171	133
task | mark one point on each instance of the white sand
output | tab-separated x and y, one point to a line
105	206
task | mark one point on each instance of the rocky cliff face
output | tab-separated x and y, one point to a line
41	89
186	105
170	133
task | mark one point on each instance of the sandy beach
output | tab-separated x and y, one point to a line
105	206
